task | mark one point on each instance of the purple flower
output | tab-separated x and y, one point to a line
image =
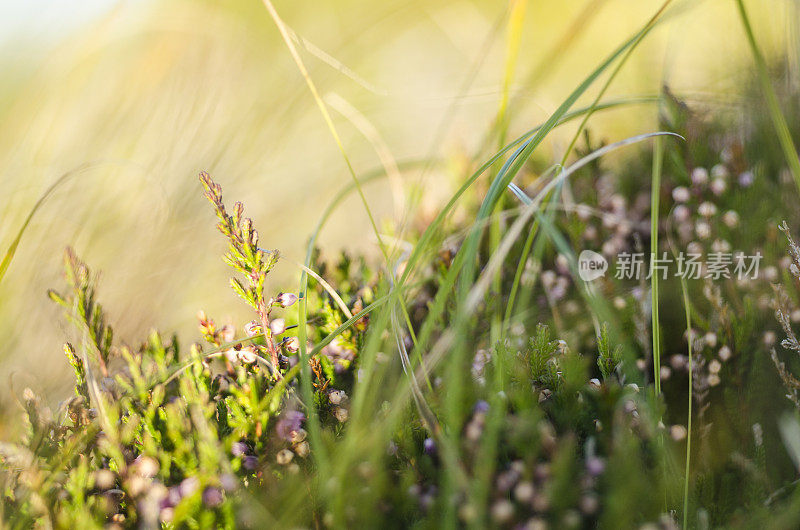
212	497
290	421
189	486
239	449
173	497
595	466
429	446
250	463
228	482
481	407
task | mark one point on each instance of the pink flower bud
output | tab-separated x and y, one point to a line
231	354
252	328
277	326
248	354
286	299
293	345
227	333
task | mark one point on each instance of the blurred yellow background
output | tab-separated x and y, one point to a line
149	93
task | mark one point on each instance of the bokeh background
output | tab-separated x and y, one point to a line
136	97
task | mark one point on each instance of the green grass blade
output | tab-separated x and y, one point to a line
686	305
778	119
8	256
658	154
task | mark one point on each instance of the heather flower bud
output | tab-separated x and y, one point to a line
103	479
212	497
227	333
250	463
289	423
228	481
292	345
302	449
336	396
284	456
231	354
239	449
502	511
730	218
277	326
298	436
681	194
341	414
252	328
248	354
146	466
188	486
481	407
699	176
718	186
286	299
707	209
677	432
595	466
524	492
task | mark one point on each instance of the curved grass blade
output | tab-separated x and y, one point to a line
778	119
12	248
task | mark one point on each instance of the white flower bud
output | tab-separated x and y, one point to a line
286	299
681	194
699	176
277	326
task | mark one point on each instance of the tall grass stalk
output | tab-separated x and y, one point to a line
658	154
778	119
687	469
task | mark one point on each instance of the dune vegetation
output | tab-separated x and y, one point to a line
576	317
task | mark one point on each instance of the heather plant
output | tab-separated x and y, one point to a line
153	436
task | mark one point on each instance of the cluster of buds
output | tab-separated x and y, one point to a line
254	263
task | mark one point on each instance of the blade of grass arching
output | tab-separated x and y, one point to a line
479	491
542	195
687	307
513	41
778	119
445	123
600	95
426	239
469	250
12	248
373	136
424	242
284	31
514	164
526	248
287	38
307	390
325	285
567	39
336	64
514	37
658	154
371	133
548	60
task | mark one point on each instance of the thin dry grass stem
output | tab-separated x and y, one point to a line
371	133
